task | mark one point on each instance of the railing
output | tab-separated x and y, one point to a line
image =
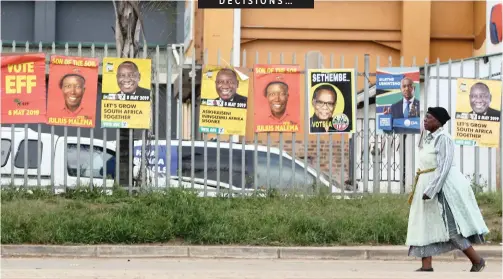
173	153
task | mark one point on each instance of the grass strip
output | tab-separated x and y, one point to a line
180	217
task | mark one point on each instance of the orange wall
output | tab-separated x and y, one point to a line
451	37
340	15
444	29
413	29
217	34
452	19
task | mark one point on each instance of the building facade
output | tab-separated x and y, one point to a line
418	32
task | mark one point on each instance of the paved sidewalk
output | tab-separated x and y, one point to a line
14	268
238	252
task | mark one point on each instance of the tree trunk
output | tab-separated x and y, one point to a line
128	28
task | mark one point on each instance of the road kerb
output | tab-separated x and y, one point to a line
323	253
236	252
49	251
133	251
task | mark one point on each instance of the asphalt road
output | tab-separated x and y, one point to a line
87	268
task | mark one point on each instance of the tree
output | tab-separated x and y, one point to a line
128	30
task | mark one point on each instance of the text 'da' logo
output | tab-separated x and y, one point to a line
408	123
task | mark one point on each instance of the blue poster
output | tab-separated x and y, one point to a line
398	105
150	158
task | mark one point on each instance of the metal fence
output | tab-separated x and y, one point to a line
174	154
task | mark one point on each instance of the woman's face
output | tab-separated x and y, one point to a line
430	122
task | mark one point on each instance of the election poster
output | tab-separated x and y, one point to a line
277	98
224	100
332	101
126	93
23	88
478	107
162	159
398	106
73	87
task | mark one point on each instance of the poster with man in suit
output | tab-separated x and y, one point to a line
126	94
224	100
478	111
398	106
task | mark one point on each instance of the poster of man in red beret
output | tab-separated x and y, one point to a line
277	98
73	83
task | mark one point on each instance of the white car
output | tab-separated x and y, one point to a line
91	162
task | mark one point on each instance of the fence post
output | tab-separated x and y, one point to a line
366	167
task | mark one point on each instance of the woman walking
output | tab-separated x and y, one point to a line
444	214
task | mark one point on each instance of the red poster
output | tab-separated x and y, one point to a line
277	98
73	88
23	88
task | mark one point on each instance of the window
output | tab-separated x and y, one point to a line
289	178
5	152
86	155
32	155
237	172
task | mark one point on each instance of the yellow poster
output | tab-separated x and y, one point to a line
224	100
477	120
126	94
332	101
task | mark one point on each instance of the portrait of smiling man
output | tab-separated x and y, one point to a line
274	109
72	92
73	87
128	79
277	95
323	101
226	84
480	101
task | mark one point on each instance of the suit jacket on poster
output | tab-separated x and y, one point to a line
489	112
397	112
140	91
240	99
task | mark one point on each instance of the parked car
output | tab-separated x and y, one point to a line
299	176
12	158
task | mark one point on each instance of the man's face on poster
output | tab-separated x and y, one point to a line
73	89
407	87
480	98
226	84
324	104
127	78
277	96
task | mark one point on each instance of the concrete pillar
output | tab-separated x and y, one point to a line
45	21
416	22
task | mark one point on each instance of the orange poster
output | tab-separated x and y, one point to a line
23	88
277	98
73	83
